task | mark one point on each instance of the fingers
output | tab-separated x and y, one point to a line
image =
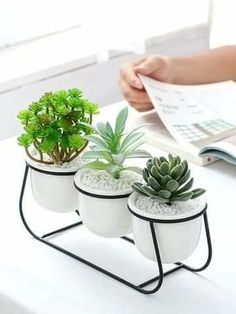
128	73
141	107
150	65
138	99
133	94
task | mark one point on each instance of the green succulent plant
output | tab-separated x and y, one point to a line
112	146
55	125
167	180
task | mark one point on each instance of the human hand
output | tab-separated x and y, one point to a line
154	66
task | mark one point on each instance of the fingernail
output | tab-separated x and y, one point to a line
137	84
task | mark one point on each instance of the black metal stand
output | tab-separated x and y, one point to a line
139	287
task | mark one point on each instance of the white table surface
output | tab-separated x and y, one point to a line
37	279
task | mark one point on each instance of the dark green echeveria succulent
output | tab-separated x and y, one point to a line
167	180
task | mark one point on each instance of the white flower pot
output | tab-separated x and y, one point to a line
53	187
104	213
176	240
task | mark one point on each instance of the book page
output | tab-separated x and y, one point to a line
194	114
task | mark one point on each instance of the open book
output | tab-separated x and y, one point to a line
197	122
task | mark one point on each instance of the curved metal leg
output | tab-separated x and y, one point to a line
139	287
209	245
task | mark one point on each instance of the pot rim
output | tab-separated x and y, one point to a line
50	169
98	193
200	210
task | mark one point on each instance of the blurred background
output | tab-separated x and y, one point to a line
48	44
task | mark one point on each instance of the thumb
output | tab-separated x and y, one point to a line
149	65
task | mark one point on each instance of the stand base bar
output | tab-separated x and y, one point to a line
139	287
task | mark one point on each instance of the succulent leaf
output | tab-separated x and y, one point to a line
183	197
164	178
153	183
149	191
155	173
145	174
164	194
184	179
172	185
121	120
176	172
116	146
159	199
164	168
163	159
186	187
137	186
197	193
156	162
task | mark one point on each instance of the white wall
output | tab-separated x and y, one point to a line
113	23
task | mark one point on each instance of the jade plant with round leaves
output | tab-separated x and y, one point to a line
112	146
167	180
55	125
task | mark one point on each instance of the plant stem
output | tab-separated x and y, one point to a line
78	152
37	160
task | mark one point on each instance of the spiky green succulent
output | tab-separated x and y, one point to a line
167	180
54	126
112	146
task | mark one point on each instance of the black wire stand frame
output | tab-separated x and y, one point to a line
138	287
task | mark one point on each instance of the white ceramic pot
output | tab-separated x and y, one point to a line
53	187
104	213
176	240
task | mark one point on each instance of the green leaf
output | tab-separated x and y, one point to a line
135	145
156	174
109	129
172	185
156	162
25	115
97	154
164	168
75	92
118	159
76	140
130	139
186	187
197	193
99	165
176	172
47	146
74	102
25	140
145	174
163	159
96	140
183	197
166	179
137	186
164	194
121	120
183	179
149	191
102	131
90	107
154	184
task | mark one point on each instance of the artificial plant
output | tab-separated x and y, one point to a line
167	180
55	126
112	146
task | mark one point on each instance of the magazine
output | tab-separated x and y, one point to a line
197	122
